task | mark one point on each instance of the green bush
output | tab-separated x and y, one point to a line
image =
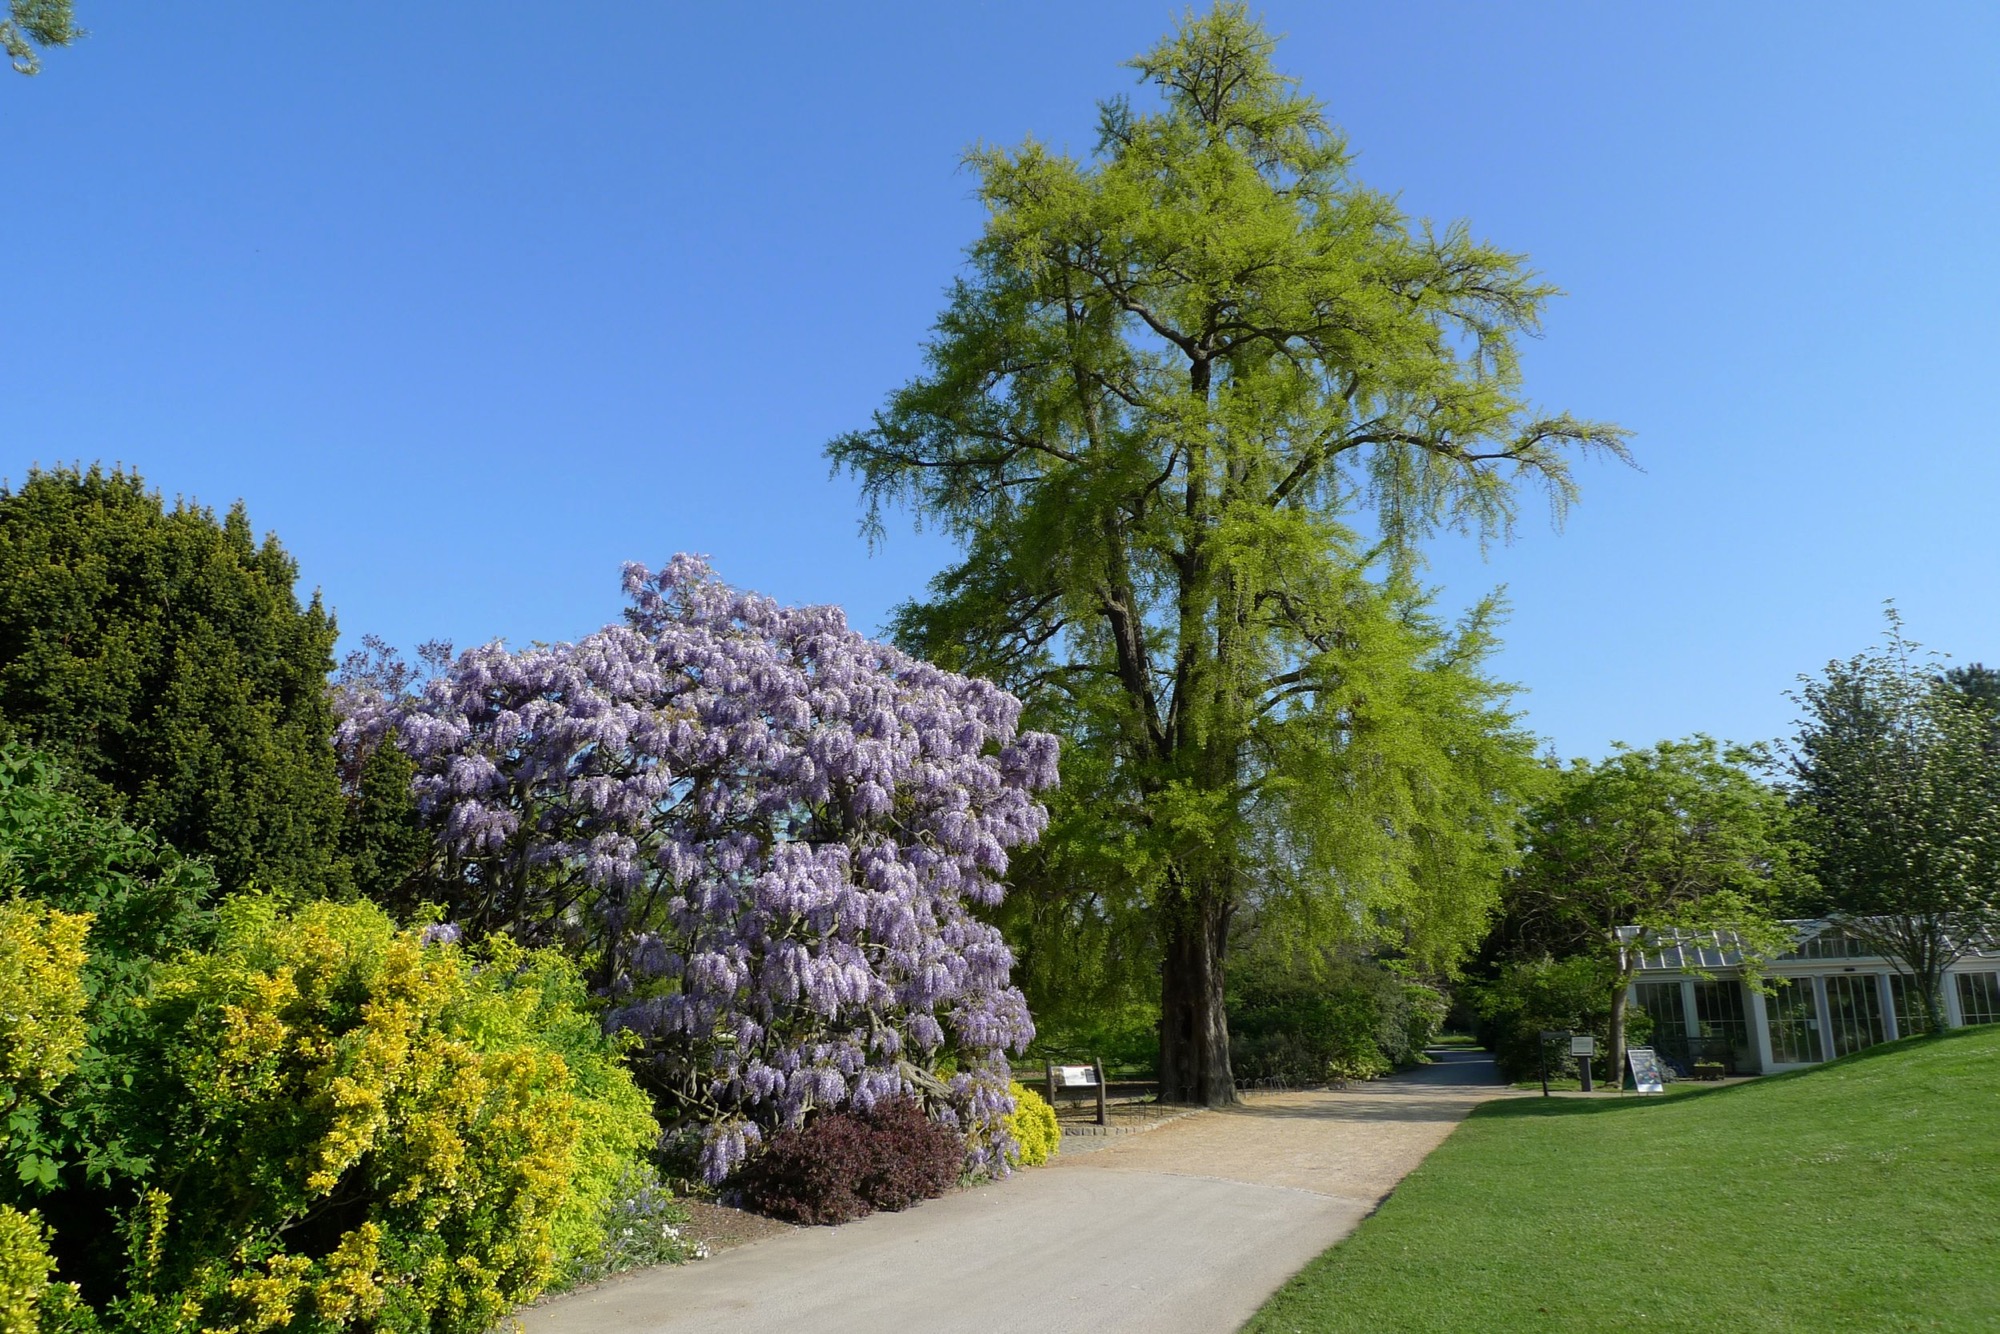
333	1124
1032	1124
1528	996
1343	1019
164	654
1424	1009
367	1131
24	1271
42	999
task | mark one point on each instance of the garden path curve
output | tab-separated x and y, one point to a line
1182	1230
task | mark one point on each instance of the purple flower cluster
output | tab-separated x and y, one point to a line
763	833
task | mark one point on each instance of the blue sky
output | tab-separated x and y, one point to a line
471	303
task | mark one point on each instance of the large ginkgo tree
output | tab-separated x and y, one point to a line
1190	412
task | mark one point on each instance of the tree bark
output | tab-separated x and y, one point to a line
1614	1069
1194	1022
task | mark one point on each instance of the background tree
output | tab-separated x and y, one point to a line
1977	682
1678	837
33	24
1979	686
162	657
1169	373
1899	779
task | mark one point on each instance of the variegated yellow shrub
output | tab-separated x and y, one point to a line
366	1130
24	1271
1032	1123
41	998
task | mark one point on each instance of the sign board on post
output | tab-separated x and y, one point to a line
1582	1044
1646	1075
1079	1077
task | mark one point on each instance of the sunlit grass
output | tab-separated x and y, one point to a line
1862	1195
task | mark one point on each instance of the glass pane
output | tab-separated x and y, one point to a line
1979	998
1724	1025
1854	1012
1903	995
1794	1023
1662	1001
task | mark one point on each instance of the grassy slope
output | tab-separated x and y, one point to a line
1863	1195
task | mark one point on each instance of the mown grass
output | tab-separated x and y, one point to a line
1862	1195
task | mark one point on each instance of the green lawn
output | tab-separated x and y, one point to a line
1863	1195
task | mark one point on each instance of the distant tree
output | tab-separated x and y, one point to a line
1979	686
1677	837
162	657
1896	770
32	24
1172	372
1977	682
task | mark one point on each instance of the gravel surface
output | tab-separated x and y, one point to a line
1185	1229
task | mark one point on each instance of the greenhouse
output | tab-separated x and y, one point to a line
1833	996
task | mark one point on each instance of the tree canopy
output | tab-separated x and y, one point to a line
162	657
33	24
1680	836
1896	769
1189	414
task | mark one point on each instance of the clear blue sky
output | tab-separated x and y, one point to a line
471	303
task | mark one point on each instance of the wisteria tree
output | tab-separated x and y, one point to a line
763	833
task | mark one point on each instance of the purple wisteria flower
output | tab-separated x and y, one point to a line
764	835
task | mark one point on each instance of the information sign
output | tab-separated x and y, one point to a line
1076	1076
1646	1075
1582	1044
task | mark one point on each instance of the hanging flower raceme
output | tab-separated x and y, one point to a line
764	834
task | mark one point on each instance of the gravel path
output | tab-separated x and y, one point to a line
1181	1230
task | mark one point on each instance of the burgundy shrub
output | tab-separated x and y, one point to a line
845	1165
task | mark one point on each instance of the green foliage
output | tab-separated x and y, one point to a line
142	901
1032	1124
355	1129
1530	995
1340	1020
161	656
1425	1008
41	998
1897	773
1174	373
383	841
32	24
24	1271
1677	837
326	1123
643	1224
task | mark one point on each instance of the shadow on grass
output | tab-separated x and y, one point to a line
1680	1093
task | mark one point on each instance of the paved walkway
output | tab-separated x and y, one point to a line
1182	1230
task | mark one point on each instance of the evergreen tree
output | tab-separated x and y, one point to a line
161	656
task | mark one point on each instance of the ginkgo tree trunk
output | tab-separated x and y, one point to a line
1177	381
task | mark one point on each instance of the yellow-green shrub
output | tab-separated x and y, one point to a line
41	997
363	1130
1033	1125
24	1271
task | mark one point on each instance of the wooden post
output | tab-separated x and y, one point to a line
1098	1064
1049	1082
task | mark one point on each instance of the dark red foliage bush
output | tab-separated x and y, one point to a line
846	1165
